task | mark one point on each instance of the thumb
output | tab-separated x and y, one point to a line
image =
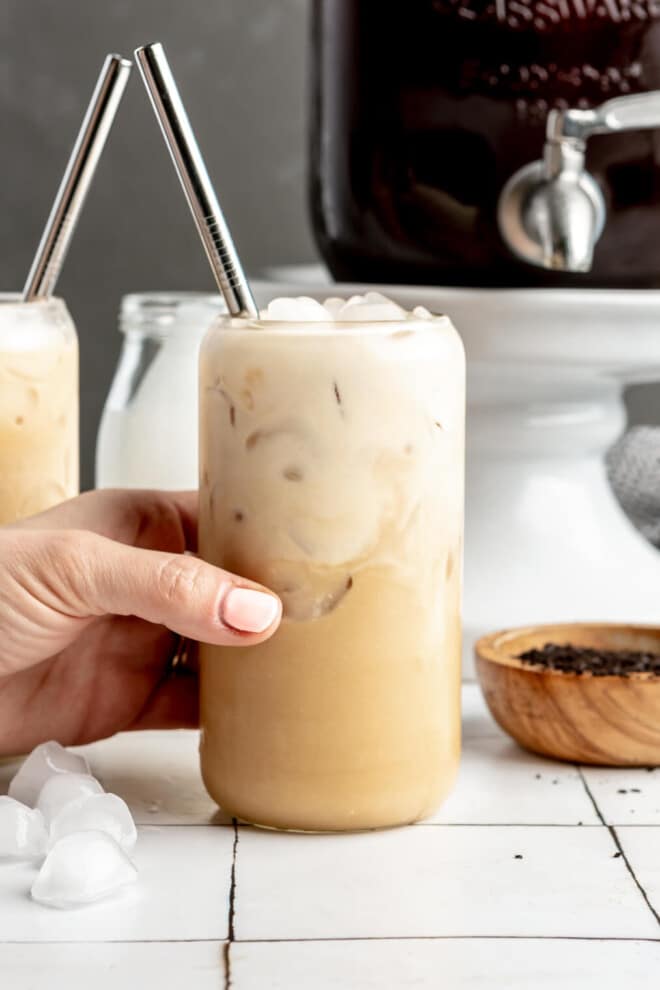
189	596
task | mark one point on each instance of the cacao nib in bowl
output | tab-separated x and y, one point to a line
586	660
582	692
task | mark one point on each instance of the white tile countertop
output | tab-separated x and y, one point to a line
534	875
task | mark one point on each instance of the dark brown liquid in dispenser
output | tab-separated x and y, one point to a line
423	110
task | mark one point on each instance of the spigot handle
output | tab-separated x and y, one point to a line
552	212
624	113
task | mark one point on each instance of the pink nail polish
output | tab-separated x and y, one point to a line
248	611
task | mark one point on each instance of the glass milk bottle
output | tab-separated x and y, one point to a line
38	406
331	470
148	432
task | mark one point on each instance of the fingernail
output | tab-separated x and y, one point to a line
248	611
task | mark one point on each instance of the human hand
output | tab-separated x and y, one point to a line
94	597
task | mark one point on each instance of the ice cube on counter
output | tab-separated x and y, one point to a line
43	762
23	832
96	812
64	789
83	832
82	868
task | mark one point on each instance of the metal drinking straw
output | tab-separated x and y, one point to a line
197	185
77	179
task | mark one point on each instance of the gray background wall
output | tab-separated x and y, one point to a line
241	67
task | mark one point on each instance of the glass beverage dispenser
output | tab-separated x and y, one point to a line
425	110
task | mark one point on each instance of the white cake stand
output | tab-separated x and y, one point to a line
545	539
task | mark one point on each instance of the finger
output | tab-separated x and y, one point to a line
187	504
189	596
173	705
152	519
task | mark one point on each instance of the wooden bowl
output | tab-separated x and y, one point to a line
610	720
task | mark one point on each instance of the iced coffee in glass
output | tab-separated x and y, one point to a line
38	406
331	471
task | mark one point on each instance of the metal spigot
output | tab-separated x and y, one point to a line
552	212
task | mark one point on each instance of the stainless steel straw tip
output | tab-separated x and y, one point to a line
148	56
77	178
120	60
151	57
197	186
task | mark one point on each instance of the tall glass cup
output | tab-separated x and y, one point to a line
331	470
38	406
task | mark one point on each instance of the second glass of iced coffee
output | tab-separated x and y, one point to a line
38	406
331	462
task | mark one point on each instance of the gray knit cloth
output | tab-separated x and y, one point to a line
633	467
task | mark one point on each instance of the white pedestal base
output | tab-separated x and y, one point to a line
545	539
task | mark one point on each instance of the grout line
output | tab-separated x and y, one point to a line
232	890
232	911
617	842
111	941
366	831
226	963
507	825
450	938
339	938
631	827
151	824
591	797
